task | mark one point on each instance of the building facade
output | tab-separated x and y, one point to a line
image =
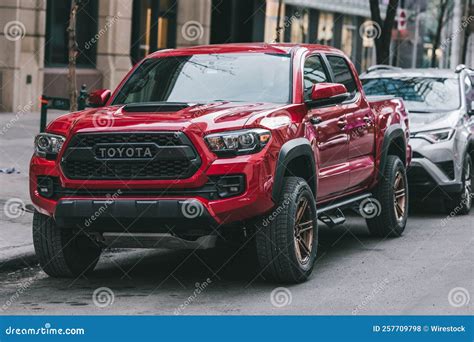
113	35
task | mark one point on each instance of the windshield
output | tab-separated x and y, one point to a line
252	77
420	94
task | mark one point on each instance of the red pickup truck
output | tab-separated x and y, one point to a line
251	143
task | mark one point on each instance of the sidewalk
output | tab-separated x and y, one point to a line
17	132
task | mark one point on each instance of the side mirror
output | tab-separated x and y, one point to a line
324	94
99	98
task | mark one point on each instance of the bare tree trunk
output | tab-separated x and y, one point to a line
437	39
382	43
278	27
72	45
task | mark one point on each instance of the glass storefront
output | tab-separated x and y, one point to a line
153	27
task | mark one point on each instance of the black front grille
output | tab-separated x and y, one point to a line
176	157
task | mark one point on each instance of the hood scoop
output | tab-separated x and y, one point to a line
155	107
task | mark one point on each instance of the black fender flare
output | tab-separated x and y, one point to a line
393	132
289	151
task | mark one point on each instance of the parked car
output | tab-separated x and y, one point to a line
242	142
440	105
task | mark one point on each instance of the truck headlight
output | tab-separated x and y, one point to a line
435	136
48	144
238	142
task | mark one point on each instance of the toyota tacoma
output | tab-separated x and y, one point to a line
246	143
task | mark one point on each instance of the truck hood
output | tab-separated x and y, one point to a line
432	121
204	117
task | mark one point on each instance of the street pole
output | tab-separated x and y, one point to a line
456	41
417	32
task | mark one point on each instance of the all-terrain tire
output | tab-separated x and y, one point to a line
460	203
61	252
276	237
386	221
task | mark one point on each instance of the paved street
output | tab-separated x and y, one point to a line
354	274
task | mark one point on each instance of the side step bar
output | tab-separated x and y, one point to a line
331	214
155	240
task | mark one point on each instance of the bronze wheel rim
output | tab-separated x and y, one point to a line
399	196
304	231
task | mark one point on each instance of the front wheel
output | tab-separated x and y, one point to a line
287	239
61	252
392	197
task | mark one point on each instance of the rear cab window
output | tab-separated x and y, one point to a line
343	74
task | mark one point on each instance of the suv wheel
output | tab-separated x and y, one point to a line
461	203
392	194
287	240
61	252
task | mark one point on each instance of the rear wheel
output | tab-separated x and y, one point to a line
61	252
461	203
287	240
392	197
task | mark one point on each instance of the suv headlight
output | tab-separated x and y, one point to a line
238	142
48	144
435	136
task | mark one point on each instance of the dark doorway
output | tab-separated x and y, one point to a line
153	27
237	21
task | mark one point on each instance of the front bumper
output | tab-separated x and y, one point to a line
157	205
426	176
435	167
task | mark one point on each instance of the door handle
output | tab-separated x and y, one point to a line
367	120
342	123
316	121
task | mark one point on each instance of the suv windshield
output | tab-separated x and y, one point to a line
420	94
251	77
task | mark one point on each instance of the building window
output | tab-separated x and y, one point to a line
153	27
57	21
348	36
296	24
326	28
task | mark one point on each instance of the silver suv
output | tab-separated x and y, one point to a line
441	106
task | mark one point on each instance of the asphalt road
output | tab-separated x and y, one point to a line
354	274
